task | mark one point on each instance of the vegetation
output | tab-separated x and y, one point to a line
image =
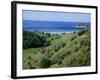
45	50
33	40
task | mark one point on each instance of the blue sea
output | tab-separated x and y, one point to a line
51	26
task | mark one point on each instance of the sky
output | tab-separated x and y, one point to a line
56	16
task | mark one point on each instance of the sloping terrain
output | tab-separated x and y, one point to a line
63	50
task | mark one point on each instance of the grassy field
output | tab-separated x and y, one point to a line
64	50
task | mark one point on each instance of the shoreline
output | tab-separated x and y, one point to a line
55	32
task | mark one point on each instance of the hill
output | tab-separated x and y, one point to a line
57	50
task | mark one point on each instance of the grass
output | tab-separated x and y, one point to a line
65	50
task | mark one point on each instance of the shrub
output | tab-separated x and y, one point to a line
75	48
30	58
68	61
43	63
55	59
72	37
81	32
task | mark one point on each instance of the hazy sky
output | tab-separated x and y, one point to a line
56	16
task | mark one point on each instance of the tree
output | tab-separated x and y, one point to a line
32	39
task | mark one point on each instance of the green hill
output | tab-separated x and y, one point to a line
57	50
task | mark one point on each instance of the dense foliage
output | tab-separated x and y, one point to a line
44	50
33	40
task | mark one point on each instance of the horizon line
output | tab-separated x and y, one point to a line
57	21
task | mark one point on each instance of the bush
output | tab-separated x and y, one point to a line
81	32
68	61
75	48
43	63
72	37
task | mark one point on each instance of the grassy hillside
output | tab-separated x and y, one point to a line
60	50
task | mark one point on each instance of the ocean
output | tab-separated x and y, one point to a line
52	26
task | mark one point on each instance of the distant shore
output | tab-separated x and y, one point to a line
61	32
56	32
